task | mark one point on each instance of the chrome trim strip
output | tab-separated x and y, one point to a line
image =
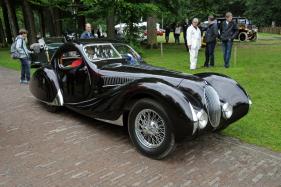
250	104
118	122
195	119
58	101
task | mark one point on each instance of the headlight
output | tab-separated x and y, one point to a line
202	119
227	110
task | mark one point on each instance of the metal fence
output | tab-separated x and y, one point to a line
272	30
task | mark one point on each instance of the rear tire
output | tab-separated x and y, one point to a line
150	129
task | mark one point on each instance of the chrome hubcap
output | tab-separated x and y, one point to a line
150	128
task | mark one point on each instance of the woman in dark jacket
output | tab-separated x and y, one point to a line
211	39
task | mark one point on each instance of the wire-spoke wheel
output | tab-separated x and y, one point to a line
150	129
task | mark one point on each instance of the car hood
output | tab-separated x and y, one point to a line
147	71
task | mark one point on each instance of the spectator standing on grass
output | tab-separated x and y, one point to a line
184	28
211	40
99	33
87	34
24	56
167	33
177	34
193	38
228	31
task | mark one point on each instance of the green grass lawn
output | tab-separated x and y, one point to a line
257	69
6	61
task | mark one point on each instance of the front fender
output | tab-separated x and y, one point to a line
231	92
175	102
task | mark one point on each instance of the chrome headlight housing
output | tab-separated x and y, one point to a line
227	110
202	119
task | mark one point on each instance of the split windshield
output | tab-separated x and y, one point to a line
101	51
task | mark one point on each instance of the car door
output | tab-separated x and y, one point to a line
74	76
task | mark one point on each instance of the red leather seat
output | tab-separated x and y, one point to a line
76	63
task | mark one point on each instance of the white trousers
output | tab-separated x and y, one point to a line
193	55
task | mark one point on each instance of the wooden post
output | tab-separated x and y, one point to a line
235	55
161	46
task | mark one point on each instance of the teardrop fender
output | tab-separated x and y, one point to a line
45	87
175	102
231	92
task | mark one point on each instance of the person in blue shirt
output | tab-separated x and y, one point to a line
87	34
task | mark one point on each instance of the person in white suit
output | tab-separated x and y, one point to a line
193	38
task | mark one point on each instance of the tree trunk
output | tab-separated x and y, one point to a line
81	20
110	23
3	42
7	24
81	23
13	24
29	21
56	22
42	22
50	30
151	32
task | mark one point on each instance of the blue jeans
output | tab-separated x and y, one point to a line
226	48
209	54
25	70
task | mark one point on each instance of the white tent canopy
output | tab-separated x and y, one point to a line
122	26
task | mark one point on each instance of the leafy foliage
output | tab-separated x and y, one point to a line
263	12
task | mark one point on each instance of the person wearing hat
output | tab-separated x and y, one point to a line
211	40
24	56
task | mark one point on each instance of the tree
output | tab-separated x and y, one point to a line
29	21
2	35
151	32
6	23
11	15
271	11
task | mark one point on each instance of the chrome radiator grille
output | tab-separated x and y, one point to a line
213	106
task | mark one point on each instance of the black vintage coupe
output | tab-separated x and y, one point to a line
110	82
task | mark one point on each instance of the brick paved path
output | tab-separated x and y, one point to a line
38	148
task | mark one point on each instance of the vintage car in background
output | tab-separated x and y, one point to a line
247	31
110	82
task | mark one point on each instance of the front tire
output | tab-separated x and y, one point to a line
243	36
150	129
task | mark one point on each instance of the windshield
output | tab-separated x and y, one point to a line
101	51
126	51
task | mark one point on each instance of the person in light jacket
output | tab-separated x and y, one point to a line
193	38
24	56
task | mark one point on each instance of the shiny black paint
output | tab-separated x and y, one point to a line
229	91
113	86
44	84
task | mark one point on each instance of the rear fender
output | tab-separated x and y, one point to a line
45	87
